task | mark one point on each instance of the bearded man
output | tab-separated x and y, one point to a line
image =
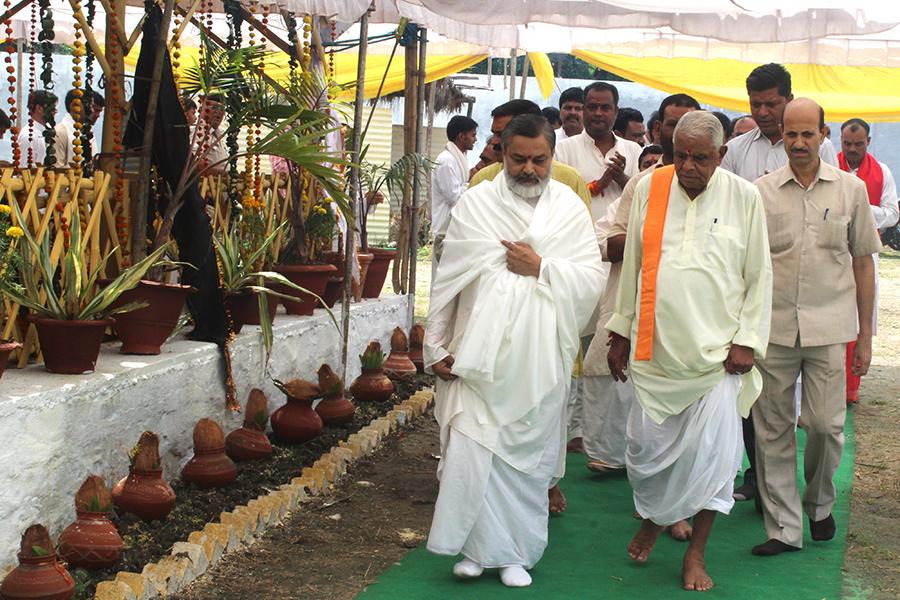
694	304
517	283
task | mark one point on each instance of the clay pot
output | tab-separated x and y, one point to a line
365	261
397	366
70	347
311	277
5	349
92	541
335	408
209	467
244	308
296	422
38	577
377	272
144	494
144	330
333	291
372	386
416	346
250	442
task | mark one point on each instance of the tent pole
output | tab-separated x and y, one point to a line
414	217
350	238
524	76
512	72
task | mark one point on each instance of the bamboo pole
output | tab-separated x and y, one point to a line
354	188
512	73
524	76
414	217
140	201
398	275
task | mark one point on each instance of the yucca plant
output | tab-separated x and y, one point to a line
372	357
67	291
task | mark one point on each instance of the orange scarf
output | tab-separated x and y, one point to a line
654	225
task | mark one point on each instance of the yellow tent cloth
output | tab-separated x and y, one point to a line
437	66
543	72
870	93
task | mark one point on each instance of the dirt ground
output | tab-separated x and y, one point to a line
338	544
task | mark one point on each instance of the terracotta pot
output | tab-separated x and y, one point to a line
334	290
210	468
378	271
311	277
244	308
335	410
38	578
144	494
372	386
416	346
398	367
245	444
365	261
296	422
144	330
92	541
70	347
5	349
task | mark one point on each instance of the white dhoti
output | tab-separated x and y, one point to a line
688	462
607	404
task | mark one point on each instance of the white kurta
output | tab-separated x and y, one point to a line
449	181
513	340
38	145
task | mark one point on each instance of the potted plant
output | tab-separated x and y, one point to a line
335	408
296	422
69	316
39	574
372	385
144	492
250	442
9	266
92	541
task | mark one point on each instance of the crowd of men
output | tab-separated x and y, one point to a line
709	282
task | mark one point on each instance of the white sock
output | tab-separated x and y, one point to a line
515	577
467	569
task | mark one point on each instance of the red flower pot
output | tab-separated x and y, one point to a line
372	386
310	277
246	443
210	468
5	349
38	578
144	330
377	272
296	422
416	346
335	410
244	308
70	347
365	261
144	494
92	541
334	290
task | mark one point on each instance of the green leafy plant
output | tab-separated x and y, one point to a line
372	357
375	177
67	291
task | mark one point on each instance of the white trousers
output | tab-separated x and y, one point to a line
489	511
607	404
688	462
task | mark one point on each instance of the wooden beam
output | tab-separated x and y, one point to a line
187	15
120	30
132	39
14	10
267	33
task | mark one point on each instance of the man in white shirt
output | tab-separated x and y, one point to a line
630	125
882	191
571	105
752	155
41	108
65	129
449	179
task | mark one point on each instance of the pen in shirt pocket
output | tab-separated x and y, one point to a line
825	218
713	224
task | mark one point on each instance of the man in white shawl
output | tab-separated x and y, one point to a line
519	278
694	305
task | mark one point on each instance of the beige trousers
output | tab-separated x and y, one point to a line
822	410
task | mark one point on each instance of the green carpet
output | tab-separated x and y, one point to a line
586	556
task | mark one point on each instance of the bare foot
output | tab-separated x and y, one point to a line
681	530
694	574
575	445
557	500
642	544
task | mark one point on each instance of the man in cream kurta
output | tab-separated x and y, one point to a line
517	283
694	302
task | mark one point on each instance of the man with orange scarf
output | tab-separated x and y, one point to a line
856	160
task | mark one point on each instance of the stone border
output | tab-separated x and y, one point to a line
204	548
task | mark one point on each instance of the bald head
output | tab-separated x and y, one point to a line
803	125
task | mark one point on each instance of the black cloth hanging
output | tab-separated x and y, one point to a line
171	149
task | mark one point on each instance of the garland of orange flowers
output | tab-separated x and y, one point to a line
249	198
176	53
114	113
11	78
32	71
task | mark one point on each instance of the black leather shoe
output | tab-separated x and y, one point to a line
822	531
773	547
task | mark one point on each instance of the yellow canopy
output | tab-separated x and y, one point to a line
870	93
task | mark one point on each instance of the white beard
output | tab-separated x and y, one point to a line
526	192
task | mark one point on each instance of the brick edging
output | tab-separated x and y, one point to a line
205	547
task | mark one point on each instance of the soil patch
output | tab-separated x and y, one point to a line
149	542
339	543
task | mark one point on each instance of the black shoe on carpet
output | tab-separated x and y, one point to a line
773	548
822	531
745	492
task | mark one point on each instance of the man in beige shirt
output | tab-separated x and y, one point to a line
821	237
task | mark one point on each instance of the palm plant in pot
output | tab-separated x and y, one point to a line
69	315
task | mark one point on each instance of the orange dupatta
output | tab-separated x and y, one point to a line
654	224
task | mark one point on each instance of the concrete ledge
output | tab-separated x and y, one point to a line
189	560
57	429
